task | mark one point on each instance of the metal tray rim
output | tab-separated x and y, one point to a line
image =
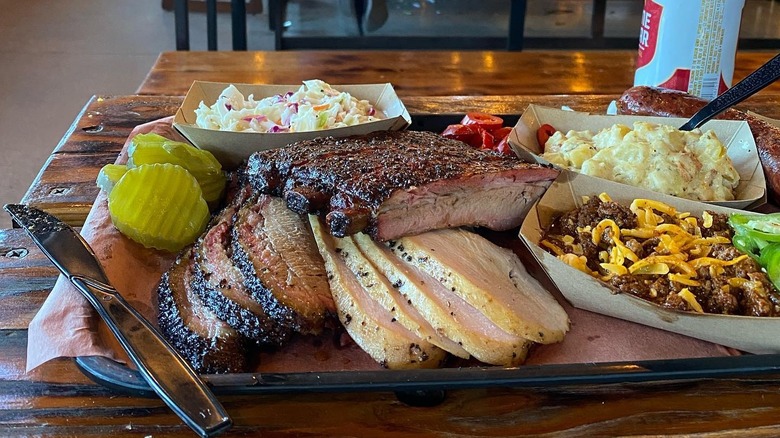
119	377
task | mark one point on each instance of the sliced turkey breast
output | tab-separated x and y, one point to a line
489	278
380	290
369	324
449	314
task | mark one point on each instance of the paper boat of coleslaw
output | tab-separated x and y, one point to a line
745	333
231	148
735	135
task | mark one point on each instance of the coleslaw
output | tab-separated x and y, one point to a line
314	106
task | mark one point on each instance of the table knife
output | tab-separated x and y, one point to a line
171	377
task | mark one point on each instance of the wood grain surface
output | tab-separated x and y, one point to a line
66	185
26	277
420	73
58	400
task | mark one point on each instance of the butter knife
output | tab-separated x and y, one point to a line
171	377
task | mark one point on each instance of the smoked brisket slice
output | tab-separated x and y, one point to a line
205	341
220	284
398	183
277	255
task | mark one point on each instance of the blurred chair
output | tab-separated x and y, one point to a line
238	11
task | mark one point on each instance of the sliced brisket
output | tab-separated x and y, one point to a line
209	344
398	183
278	258
220	284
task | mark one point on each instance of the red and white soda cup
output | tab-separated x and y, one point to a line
689	45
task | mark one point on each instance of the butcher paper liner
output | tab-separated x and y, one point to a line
67	326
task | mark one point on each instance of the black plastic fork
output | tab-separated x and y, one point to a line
752	84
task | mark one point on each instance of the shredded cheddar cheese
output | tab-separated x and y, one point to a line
649	204
707	218
598	232
579	262
553	247
671	244
684	279
690	298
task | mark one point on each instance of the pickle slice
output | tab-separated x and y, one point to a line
154	148
149	138
159	206
109	175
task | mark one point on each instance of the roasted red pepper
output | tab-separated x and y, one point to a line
501	133
481	131
469	134
543	134
488	141
485	121
503	147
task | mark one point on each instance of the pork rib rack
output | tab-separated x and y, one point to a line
393	184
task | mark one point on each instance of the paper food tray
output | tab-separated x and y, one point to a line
750	334
735	135
230	148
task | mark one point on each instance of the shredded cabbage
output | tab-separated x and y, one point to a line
315	106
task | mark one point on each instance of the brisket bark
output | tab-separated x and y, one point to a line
393	184
278	258
221	285
205	341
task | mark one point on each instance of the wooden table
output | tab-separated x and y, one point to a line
420	73
56	399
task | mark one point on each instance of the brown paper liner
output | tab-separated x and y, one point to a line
67	326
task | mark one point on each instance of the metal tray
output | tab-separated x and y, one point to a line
426	387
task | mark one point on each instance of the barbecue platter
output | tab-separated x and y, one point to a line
368	251
387	258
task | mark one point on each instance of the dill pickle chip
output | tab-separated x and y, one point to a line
153	148
159	206
109	175
148	138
